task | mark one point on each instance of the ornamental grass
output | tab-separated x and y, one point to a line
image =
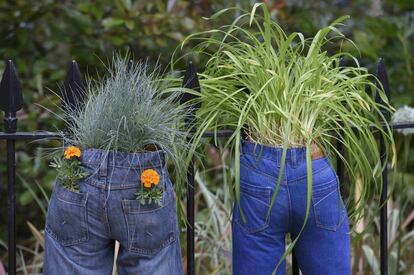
289	91
132	109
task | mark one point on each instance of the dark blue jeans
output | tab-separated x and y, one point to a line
81	228
323	247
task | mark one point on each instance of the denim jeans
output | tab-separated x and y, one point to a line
323	248
81	228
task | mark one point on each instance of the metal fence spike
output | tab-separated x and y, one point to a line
74	90
130	65
190	81
383	77
382	80
11	98
341	62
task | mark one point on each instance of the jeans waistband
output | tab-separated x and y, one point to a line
293	154
122	159
120	170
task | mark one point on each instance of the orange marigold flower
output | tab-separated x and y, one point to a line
150	177
71	152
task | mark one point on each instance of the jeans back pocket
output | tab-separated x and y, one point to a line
150	227
254	204
328	205
66	219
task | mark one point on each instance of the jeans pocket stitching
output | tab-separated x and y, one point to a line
252	231
170	235
240	222
131	207
257	200
341	210
83	218
69	196
320	200
248	188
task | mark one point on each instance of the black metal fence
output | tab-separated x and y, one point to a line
11	101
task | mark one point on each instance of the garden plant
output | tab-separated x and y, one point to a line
112	181
42	46
286	91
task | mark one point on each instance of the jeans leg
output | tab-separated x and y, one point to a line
258	253
92	258
323	252
167	261
258	245
75	242
149	239
323	248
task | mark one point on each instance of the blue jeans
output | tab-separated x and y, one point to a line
81	228
323	248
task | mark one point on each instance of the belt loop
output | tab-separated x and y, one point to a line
103	167
279	154
293	157
327	151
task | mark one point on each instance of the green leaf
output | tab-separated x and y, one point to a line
130	24
111	22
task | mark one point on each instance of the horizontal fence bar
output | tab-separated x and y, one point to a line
228	133
29	135
207	134
402	125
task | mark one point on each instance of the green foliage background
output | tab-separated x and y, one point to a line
44	36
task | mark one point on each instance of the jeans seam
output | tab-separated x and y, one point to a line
251	189
260	171
313	173
290	223
92	182
261	157
106	221
290	214
134	167
341	214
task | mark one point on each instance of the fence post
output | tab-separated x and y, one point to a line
383	79
190	81
11	100
74	91
340	146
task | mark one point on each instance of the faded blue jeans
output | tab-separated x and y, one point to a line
81	228
323	248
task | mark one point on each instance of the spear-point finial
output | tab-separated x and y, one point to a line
190	81
74	90
382	80
383	77
341	62
11	98
130	65
190	78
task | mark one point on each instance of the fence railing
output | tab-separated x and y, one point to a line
11	101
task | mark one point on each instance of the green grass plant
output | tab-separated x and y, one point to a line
133	109
291	92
